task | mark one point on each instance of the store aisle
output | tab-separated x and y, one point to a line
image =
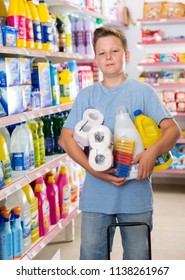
168	236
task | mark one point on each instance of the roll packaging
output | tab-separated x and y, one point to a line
94	116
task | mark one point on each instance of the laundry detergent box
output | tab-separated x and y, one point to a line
11	99
26	97
41	82
25	71
9	71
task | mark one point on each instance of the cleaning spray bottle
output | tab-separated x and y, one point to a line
150	134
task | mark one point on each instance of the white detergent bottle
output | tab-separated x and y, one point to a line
30	145
15	199
125	130
19	151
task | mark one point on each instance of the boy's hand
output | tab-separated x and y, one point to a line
146	162
108	177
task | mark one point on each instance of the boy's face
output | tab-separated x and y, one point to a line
110	56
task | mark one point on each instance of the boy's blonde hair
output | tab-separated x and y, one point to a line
108	31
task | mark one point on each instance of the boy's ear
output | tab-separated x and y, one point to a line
127	55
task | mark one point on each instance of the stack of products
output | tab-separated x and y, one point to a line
123	154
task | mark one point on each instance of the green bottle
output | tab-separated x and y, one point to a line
48	135
58	122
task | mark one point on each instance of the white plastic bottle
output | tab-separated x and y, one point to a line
80	36
68	33
31	146
89	29
125	128
19	199
19	151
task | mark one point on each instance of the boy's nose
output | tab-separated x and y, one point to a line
108	56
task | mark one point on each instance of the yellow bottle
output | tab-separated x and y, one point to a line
41	141
29	27
17	18
65	81
36	25
150	134
33	126
46	26
5	161
33	201
3	12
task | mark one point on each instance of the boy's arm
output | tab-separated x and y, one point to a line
171	132
77	154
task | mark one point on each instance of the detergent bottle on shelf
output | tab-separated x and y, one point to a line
16	232
5	133
52	195
5	163
41	140
36	25
3	13
64	191
43	208
6	249
33	203
29	27
46	26
18	198
17	18
150	134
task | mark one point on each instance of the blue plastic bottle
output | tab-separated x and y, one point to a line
16	232
54	85
6	237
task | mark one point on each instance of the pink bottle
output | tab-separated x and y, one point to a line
41	181
64	192
43	209
52	195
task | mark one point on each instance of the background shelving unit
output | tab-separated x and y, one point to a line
165	46
55	7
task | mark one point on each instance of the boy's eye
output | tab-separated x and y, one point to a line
102	53
115	50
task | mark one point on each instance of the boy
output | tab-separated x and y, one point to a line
106	198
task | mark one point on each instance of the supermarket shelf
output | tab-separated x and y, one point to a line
4	121
39	53
168	85
161	64
44	240
163	42
51	162
61	6
161	21
170	173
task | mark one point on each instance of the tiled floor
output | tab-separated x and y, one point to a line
168	235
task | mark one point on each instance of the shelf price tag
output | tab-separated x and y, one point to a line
42	245
60	225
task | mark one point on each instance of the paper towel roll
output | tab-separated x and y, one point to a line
100	136
81	133
94	116
100	159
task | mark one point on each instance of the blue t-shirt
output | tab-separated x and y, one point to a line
136	195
